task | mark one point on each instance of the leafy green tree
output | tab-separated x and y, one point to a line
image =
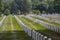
48	4
36	12
7	12
0	14
18	12
27	5
57	6
0	4
1	7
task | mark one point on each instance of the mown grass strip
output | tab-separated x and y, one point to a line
53	23
1	27
7	24
41	29
29	26
1	18
15	25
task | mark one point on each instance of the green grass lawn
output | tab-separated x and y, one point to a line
1	18
38	28
53	23
15	24
16	34
5	24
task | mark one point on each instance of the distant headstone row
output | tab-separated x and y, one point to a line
55	28
51	15
57	21
35	35
46	25
1	22
47	17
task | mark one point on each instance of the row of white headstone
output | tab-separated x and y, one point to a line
55	17
38	16
57	21
1	22
47	17
52	27
46	25
51	15
35	35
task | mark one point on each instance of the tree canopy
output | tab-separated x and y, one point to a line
26	6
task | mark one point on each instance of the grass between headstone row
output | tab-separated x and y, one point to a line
15	24
16	34
1	18
6	24
39	28
53	23
20	33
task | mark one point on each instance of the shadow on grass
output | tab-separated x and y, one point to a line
50	34
14	35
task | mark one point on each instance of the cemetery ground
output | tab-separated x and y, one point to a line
10	30
53	23
39	28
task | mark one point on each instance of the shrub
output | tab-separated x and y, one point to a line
36	12
7	12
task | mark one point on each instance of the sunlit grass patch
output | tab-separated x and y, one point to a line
16	26
6	25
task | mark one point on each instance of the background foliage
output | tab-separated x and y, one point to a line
26	6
